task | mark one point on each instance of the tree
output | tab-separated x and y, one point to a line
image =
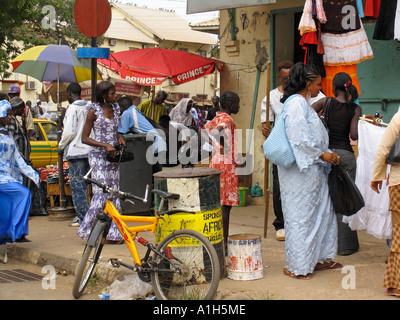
30	23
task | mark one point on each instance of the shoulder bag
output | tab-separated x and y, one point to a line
345	195
277	148
394	155
325	113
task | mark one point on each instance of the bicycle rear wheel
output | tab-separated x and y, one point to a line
89	259
192	271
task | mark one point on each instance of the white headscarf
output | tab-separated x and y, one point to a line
180	114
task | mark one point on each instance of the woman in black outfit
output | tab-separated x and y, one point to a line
343	125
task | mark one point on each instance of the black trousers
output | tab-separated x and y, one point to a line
276	197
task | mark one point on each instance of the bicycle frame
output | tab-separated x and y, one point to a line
130	233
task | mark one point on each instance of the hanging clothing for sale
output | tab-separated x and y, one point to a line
335	16
360	8
310	29
309	42
346	48
313	10
371	8
384	27
307	23
387	26
340	45
397	22
375	217
331	71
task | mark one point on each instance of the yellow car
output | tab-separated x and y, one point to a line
44	148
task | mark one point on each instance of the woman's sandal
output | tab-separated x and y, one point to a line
393	292
326	266
301	277
114	241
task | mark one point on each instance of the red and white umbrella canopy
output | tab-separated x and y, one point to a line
153	66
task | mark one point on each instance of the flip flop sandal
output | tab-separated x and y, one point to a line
333	265
395	293
114	241
300	277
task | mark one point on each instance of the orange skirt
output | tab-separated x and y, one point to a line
331	72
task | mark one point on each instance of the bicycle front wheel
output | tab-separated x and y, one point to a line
89	260
188	268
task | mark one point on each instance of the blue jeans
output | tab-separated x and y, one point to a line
77	169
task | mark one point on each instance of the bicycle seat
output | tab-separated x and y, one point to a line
166	195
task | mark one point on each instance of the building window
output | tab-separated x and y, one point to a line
202	53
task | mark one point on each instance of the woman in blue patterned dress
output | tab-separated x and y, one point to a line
310	222
15	199
102	121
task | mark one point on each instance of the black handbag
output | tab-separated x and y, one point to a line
394	154
325	114
345	195
123	154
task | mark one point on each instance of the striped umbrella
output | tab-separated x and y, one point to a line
53	63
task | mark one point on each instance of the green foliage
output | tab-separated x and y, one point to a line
28	23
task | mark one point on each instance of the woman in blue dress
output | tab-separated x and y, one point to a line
15	199
310	222
102	121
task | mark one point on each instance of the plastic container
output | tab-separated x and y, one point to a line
243	192
256	190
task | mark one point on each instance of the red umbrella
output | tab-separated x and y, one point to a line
153	66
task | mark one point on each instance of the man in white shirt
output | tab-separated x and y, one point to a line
275	108
75	151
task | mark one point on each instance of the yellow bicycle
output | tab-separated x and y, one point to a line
184	265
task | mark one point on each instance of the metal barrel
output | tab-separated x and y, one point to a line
199	190
245	257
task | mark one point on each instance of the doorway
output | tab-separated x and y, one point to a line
285	39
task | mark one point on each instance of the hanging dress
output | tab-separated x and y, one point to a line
375	217
345	44
384	27
371	8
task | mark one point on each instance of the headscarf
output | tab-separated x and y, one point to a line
4	106
180	114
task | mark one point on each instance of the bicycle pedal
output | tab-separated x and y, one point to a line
116	263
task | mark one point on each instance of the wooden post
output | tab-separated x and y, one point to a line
266	164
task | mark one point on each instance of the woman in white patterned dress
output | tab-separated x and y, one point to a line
103	119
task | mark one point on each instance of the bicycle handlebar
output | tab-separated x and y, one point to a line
121	194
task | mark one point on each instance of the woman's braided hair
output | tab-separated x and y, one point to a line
299	76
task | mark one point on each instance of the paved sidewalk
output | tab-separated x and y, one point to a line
54	243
